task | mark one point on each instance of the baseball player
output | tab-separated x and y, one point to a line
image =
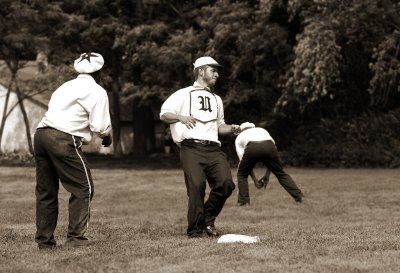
77	109
196	118
253	145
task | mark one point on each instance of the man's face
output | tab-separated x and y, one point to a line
210	75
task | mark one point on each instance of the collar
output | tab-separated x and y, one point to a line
196	85
85	76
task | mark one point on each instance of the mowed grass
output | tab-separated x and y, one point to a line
350	222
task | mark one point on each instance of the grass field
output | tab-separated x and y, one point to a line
350	222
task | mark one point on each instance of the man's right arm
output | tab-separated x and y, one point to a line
170	118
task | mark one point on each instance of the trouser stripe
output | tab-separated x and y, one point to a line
87	179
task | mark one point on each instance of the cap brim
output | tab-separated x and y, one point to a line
216	65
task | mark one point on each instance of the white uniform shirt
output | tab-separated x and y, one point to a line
252	134
198	102
79	107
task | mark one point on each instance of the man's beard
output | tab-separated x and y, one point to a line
210	82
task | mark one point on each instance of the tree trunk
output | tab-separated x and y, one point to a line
138	8
116	122
114	56
26	120
143	131
150	130
4	117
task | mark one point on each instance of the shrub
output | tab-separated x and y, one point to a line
16	159
369	140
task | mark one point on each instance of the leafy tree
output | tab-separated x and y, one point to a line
315	68
253	50
385	83
21	37
288	62
349	33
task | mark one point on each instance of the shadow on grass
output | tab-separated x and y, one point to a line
96	161
154	161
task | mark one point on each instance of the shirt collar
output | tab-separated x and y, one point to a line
196	85
85	76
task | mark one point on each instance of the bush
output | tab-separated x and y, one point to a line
370	140
17	159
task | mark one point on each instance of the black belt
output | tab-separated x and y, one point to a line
260	141
200	141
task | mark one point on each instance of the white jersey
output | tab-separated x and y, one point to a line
200	103
79	107
248	135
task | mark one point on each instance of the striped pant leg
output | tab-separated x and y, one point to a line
72	169
76	178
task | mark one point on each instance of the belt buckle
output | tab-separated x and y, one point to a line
204	142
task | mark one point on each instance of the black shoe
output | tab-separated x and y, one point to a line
47	247
211	231
299	199
197	234
76	243
244	204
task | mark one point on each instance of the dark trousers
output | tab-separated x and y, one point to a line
267	153
200	163
58	157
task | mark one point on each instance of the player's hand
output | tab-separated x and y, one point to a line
189	121
246	125
235	129
106	141
262	183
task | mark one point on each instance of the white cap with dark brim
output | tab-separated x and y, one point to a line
205	61
88	63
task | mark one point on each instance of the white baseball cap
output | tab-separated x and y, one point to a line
205	61
88	62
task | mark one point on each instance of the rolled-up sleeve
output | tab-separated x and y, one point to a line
239	147
221	116
99	116
172	104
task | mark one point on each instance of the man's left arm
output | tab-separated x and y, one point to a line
100	120
226	129
223	128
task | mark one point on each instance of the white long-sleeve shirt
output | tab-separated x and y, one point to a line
248	135
200	103
79	107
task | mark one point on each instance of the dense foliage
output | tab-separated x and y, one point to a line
368	140
292	66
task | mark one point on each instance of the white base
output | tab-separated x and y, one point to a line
237	238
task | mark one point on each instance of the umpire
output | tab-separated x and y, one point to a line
196	118
77	109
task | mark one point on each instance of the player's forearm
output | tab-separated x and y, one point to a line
267	173
253	176
170	118
226	129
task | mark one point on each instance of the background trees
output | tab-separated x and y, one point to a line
22	35
304	69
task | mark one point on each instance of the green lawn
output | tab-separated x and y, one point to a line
349	222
